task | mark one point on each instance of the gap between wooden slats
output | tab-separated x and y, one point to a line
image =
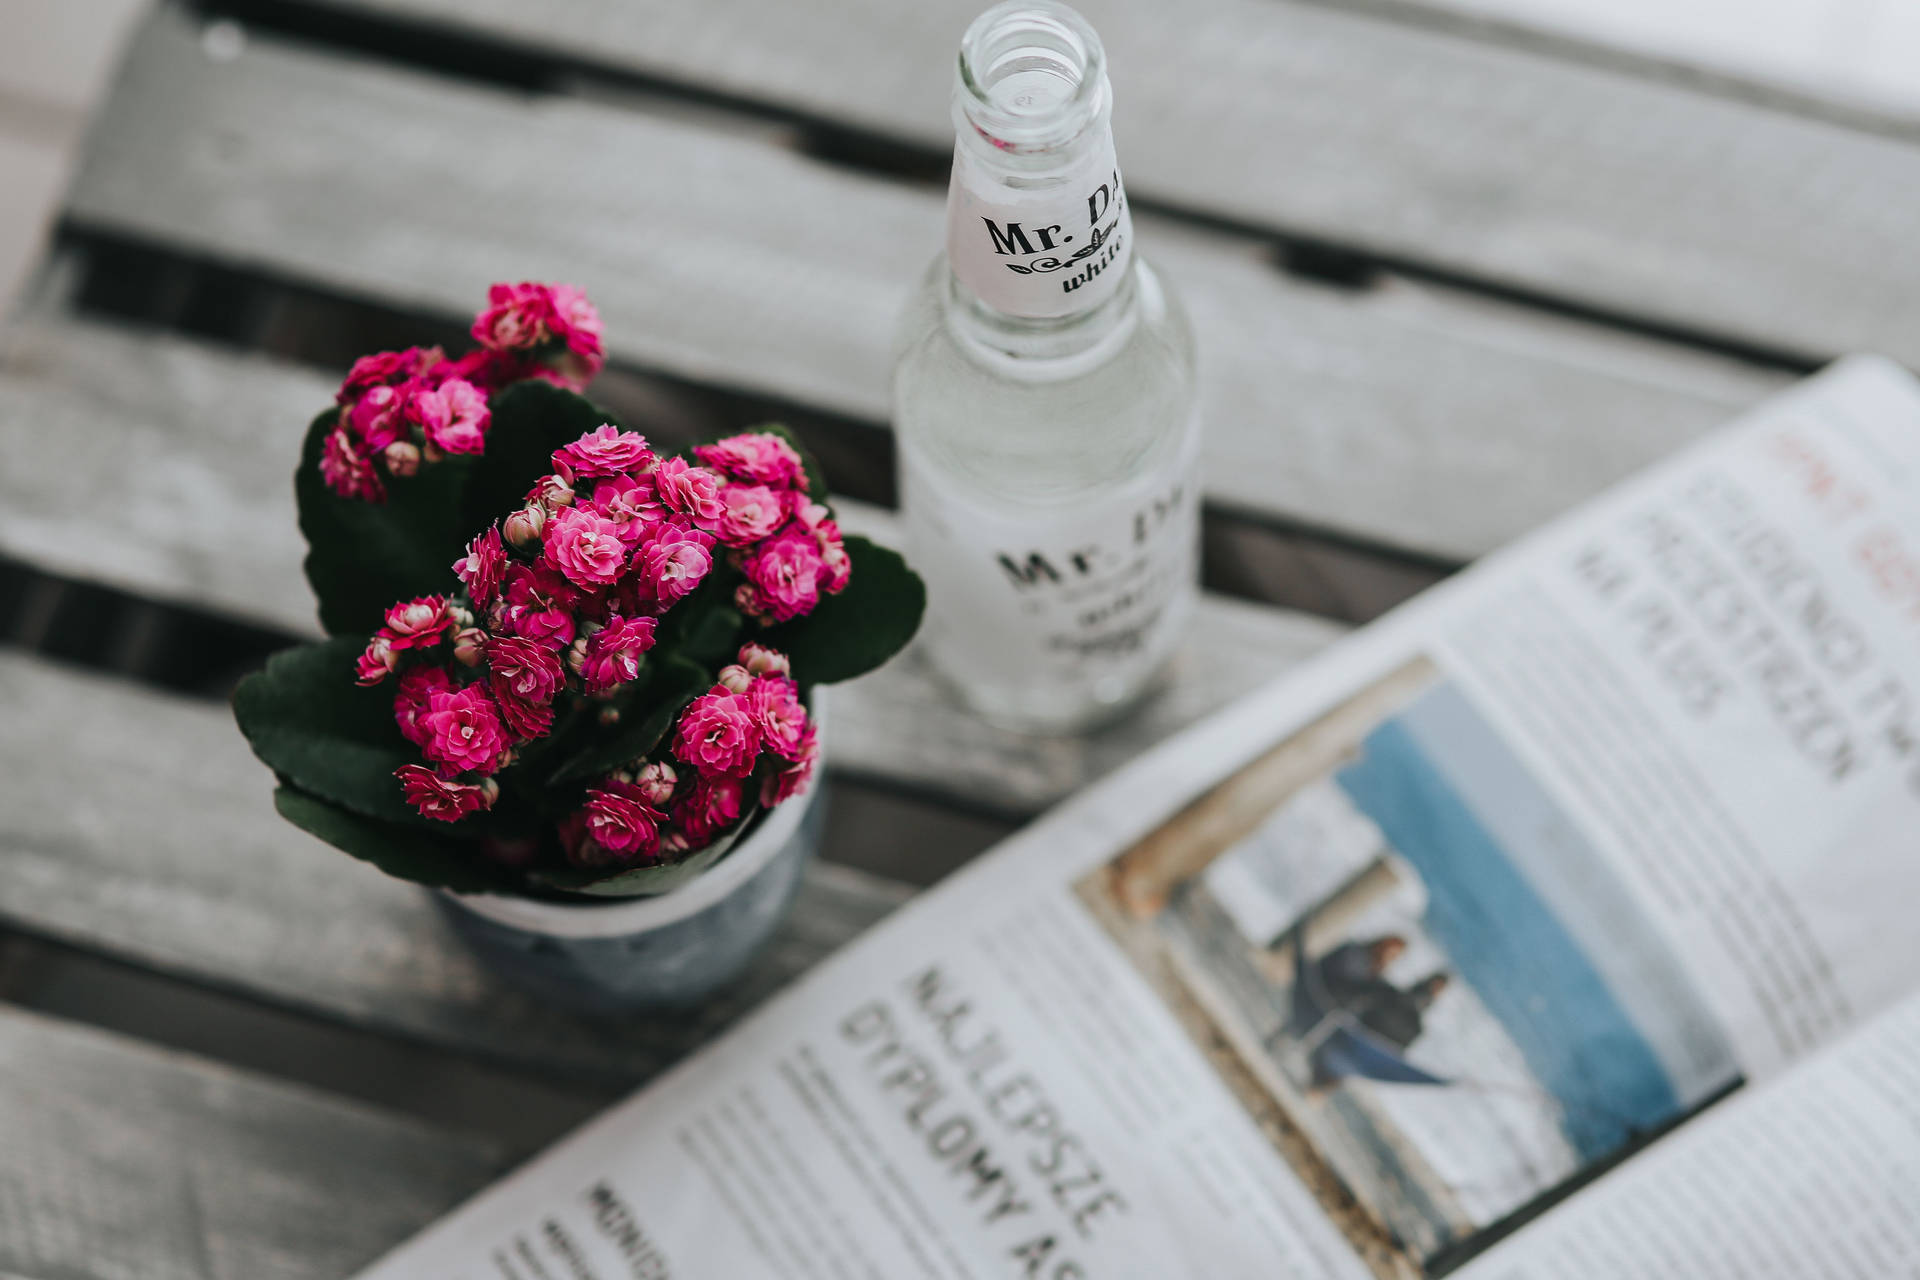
1405	417
1648	200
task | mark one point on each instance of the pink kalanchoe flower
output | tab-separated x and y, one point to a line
611	655
537	604
764	661
604	451
749	512
629	503
348	471
810	515
586	546
785	573
780	715
454	416
480	571
621	821
656	783
671	563
489	370
417	624
788	781
379	417
836	566
718	733
524	720
387	369
755	457
710	807
735	678
463	730
694	492
576	322
436	797
376	663
416	689
517	317
524	669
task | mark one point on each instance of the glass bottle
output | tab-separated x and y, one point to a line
1044	399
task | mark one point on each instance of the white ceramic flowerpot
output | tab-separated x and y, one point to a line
670	951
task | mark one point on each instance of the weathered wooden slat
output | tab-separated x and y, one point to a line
1405	416
1616	190
121	1161
185	454
138	825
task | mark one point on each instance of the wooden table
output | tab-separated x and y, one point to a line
1448	281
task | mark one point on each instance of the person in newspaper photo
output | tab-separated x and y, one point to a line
1404	956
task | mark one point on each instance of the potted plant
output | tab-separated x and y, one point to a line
573	683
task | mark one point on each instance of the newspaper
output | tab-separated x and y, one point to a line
1559	924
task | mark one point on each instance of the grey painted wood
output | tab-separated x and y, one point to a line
121	1162
1512	165
1408	416
186	454
140	826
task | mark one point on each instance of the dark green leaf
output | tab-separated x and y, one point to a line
363	556
307	719
854	632
647	713
405	852
531	420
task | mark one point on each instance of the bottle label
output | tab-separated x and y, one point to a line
1091	598
1046	252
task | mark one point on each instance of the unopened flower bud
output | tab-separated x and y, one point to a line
490	790
554	492
432	452
656	783
470	647
461	615
403	458
609	715
762	661
523	527
736	677
675	842
577	655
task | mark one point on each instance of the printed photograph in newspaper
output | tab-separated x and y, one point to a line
1390	968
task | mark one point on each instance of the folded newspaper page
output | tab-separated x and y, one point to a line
1559	924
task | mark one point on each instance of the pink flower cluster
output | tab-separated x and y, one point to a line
751	724
562	601
400	409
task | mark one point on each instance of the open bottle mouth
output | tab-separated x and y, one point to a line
1032	75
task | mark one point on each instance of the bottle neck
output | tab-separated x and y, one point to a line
1039	235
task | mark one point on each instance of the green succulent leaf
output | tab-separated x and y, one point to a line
852	633
310	723
531	419
402	851
363	556
648	710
